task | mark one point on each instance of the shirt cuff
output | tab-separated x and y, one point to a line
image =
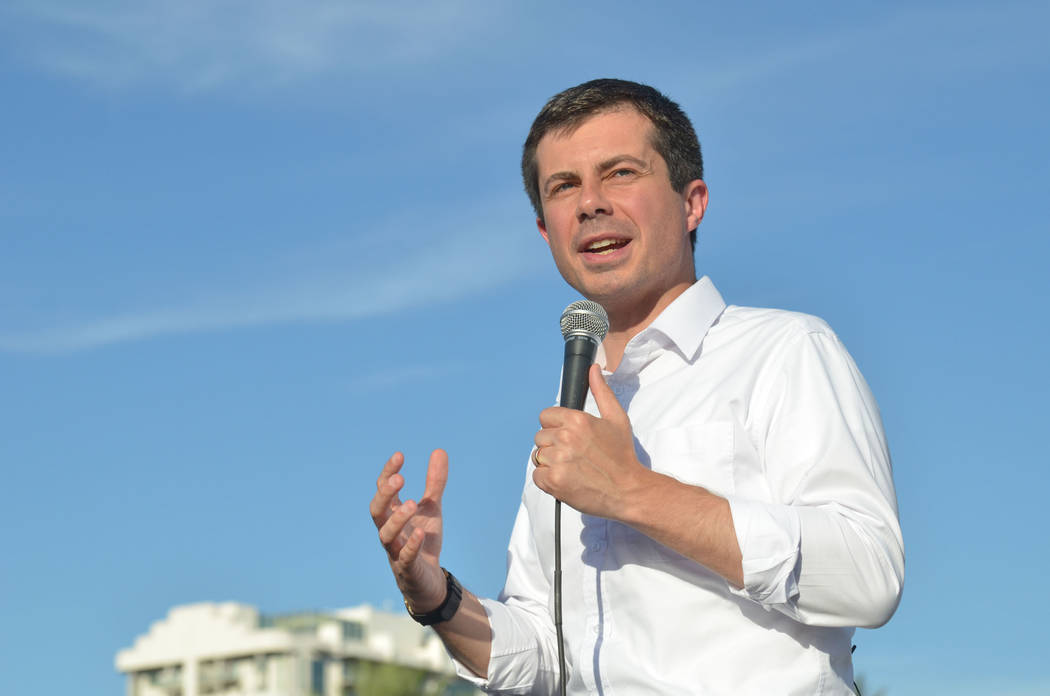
770	541
513	661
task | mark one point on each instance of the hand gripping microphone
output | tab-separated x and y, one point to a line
583	326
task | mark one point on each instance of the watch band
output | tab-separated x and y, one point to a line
447	609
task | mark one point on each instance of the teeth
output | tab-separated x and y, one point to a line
601	244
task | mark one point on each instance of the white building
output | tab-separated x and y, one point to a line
231	649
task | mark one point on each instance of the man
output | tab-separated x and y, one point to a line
730	513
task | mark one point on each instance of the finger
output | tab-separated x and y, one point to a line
392	466
545	438
410	551
541	477
390	534
554	416
437	475
386	497
609	408
385	501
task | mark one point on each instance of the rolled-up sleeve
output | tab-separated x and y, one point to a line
827	550
769	538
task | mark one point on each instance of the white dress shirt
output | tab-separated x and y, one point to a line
767	409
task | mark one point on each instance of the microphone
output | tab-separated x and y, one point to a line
583	326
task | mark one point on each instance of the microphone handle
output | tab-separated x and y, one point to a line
579	354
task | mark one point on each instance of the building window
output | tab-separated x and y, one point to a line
261	671
317	677
217	676
166	679
353	630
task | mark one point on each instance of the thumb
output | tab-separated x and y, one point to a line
437	475
609	408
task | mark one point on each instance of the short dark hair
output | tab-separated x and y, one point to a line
673	135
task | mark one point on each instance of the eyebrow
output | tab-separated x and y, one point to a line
557	176
604	165
620	159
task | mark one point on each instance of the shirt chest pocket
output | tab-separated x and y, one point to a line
699	454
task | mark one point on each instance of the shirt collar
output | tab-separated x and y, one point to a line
685	322
688	318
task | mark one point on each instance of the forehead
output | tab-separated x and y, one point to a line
606	134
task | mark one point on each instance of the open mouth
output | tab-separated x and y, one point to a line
605	246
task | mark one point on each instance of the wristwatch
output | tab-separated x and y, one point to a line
447	609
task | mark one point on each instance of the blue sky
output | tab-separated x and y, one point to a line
249	249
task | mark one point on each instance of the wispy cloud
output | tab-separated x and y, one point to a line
204	44
383	272
955	40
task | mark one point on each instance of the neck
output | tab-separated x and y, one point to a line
626	322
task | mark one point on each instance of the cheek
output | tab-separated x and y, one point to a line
559	251
558	235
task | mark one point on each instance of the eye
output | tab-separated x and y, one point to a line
563	186
622	172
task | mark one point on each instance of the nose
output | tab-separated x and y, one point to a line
592	201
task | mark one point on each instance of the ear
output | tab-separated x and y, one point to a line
543	230
695	201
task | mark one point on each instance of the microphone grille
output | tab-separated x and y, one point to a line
585	318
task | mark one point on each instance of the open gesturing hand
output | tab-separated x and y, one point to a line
411	532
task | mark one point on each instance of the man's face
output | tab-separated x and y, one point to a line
618	232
